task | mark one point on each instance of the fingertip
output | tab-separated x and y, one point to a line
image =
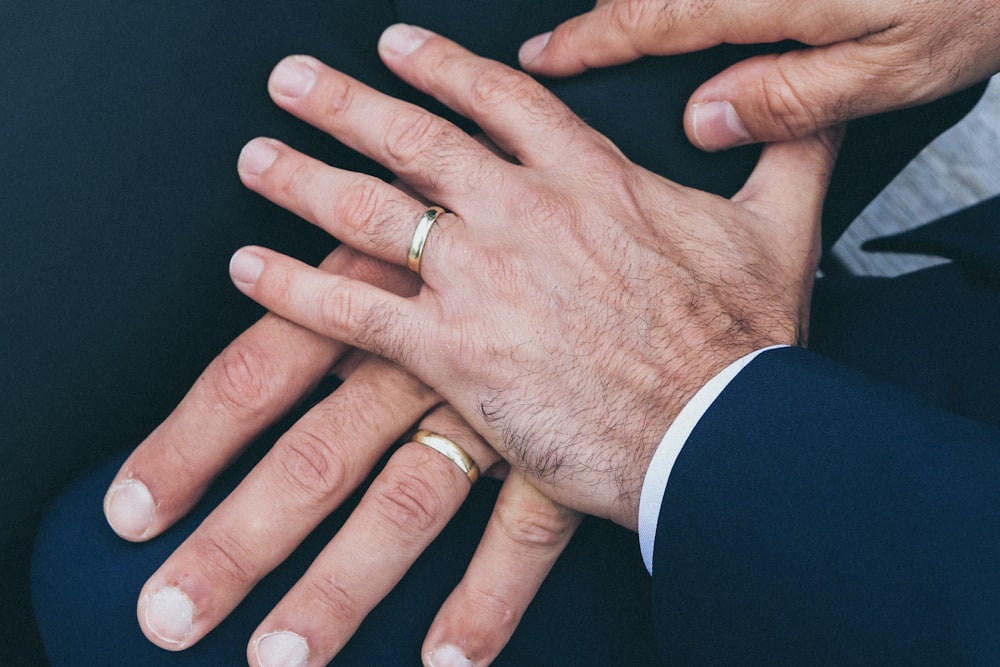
167	617
402	39
256	157
532	49
715	125
293	77
280	649
245	267
446	656
130	510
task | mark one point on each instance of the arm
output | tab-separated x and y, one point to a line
815	514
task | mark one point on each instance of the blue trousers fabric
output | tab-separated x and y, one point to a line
121	127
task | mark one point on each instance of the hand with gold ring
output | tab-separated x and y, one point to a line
571	302
310	471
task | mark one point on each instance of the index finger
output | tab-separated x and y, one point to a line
621	31
520	115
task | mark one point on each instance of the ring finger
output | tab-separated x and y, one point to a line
401	513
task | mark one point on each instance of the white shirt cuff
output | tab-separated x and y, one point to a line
670	447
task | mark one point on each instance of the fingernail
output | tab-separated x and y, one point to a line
170	616
293	77
282	649
448	656
245	267
716	126
530	49
130	509
257	156
402	39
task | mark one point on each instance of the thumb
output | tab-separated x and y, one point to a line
610	34
791	95
786	192
787	188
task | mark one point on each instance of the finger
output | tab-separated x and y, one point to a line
417	146
403	510
794	94
788	186
621	31
352	311
308	472
602	37
363	211
523	539
786	191
254	381
523	118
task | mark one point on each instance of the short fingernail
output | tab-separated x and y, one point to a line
170	616
530	49
129	509
245	267
448	656
282	649
257	156
293	77
717	125
402	39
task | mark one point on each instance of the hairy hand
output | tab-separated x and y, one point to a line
572	302
864	57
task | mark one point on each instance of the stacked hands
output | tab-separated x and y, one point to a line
568	305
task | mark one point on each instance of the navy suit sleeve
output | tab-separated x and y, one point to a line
818	516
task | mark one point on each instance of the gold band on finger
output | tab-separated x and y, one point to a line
450	450
420	234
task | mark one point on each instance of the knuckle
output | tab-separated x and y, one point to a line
334	599
382	334
336	307
543	206
786	104
294	183
359	203
634	16
499	614
406	497
242	385
536	525
410	133
338	93
604	165
226	560
310	465
494	85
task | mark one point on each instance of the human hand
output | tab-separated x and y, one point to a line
572	302
310	471
865	57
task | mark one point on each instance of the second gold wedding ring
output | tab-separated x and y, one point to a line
450	450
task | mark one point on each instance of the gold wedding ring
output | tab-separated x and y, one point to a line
420	234
450	450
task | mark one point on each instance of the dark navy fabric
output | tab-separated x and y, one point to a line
971	237
86	583
821	516
121	124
